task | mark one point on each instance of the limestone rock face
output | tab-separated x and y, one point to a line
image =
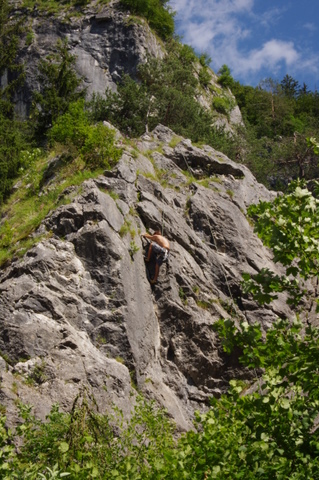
107	44
78	308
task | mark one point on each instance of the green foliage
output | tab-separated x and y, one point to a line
289	86
83	444
279	117
204	76
14	139
222	104
166	94
25	209
159	16
95	143
60	86
55	7
274	424
314	144
225	79
288	225
182	295
10	30
205	60
127	109
133	249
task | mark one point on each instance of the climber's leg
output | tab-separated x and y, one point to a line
149	253
154	280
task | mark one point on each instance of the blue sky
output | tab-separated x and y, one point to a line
257	39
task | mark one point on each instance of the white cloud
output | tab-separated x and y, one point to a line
311	27
226	29
268	55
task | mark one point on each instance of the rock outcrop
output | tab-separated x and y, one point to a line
78	308
107	42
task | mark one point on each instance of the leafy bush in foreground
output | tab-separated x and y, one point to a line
84	444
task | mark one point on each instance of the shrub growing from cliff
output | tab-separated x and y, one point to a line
84	444
166	94
95	143
159	16
60	86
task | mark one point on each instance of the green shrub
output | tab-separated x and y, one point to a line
95	143
85	444
160	17
13	140
222	105
204	76
225	79
72	126
98	149
60	86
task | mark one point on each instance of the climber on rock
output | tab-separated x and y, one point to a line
159	247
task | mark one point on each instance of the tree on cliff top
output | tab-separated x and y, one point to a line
60	86
159	16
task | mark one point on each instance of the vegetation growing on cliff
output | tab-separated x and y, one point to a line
167	93
266	430
158	14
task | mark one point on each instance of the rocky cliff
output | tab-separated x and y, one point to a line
107	43
78	308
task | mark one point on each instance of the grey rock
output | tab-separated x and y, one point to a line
106	44
79	305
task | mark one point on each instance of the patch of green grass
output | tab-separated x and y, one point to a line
113	195
204	182
133	249
54	7
196	289
29	37
100	340
190	178
149	175
6	358
120	360
127	228
134	20
205	305
175	141
25	210
216	180
182	296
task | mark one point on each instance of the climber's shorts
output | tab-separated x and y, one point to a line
161	253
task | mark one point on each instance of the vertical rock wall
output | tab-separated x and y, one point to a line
79	305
